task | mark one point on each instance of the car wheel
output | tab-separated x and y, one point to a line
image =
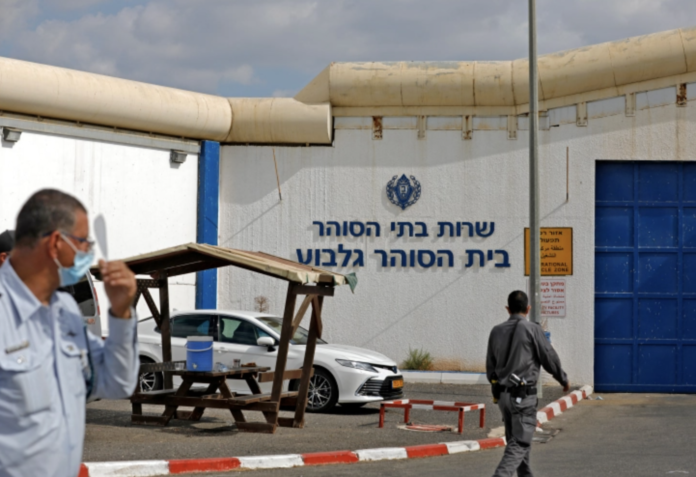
150	381
323	391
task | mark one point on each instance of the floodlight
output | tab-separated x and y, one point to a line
177	157
11	134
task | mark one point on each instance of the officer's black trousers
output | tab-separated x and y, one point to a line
520	424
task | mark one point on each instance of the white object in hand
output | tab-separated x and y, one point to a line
100	233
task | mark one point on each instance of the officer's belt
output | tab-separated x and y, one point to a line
521	391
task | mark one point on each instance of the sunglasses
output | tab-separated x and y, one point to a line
80	240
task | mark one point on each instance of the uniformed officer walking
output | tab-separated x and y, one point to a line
49	363
516	349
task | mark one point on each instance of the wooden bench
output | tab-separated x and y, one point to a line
224	399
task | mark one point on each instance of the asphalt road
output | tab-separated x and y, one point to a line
111	436
622	435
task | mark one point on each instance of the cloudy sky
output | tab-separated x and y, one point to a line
275	47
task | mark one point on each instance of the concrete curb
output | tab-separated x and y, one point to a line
557	407
161	467
444	377
153	468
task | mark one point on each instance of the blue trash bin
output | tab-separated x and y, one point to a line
199	353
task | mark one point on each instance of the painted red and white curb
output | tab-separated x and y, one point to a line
153	468
557	407
162	467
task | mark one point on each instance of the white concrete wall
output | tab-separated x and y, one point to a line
447	311
148	203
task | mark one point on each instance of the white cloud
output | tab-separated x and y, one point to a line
144	43
251	43
284	93
243	74
14	16
74	4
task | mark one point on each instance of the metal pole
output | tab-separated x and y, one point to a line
534	239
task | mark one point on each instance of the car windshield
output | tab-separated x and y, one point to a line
300	337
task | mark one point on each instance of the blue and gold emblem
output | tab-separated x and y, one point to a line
403	192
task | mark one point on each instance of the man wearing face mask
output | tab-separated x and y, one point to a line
50	365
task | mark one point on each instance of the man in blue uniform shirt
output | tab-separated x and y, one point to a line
49	363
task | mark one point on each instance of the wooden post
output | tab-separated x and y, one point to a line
318	305
301	312
314	332
285	336
151	305
166	330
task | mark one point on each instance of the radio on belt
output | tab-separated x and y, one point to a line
517	381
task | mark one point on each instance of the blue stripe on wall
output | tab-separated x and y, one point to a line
207	226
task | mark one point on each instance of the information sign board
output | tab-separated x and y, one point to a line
556	251
553	297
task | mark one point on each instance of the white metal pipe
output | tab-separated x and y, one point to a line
48	91
59	93
279	121
505	83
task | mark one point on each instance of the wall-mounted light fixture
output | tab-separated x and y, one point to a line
11	134
178	157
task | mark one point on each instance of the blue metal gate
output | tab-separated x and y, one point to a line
645	277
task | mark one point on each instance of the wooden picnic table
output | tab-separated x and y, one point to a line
211	398
313	283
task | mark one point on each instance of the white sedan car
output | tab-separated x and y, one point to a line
349	376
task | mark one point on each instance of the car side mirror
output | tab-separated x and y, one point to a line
266	341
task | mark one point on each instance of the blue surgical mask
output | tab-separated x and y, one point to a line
72	275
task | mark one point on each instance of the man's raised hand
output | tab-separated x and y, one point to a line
120	286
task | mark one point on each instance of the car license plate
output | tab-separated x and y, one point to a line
397	383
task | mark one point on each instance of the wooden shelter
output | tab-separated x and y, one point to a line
311	282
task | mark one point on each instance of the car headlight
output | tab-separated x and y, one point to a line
357	365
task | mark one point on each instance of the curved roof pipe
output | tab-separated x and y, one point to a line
279	121
52	92
60	93
504	83
49	91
